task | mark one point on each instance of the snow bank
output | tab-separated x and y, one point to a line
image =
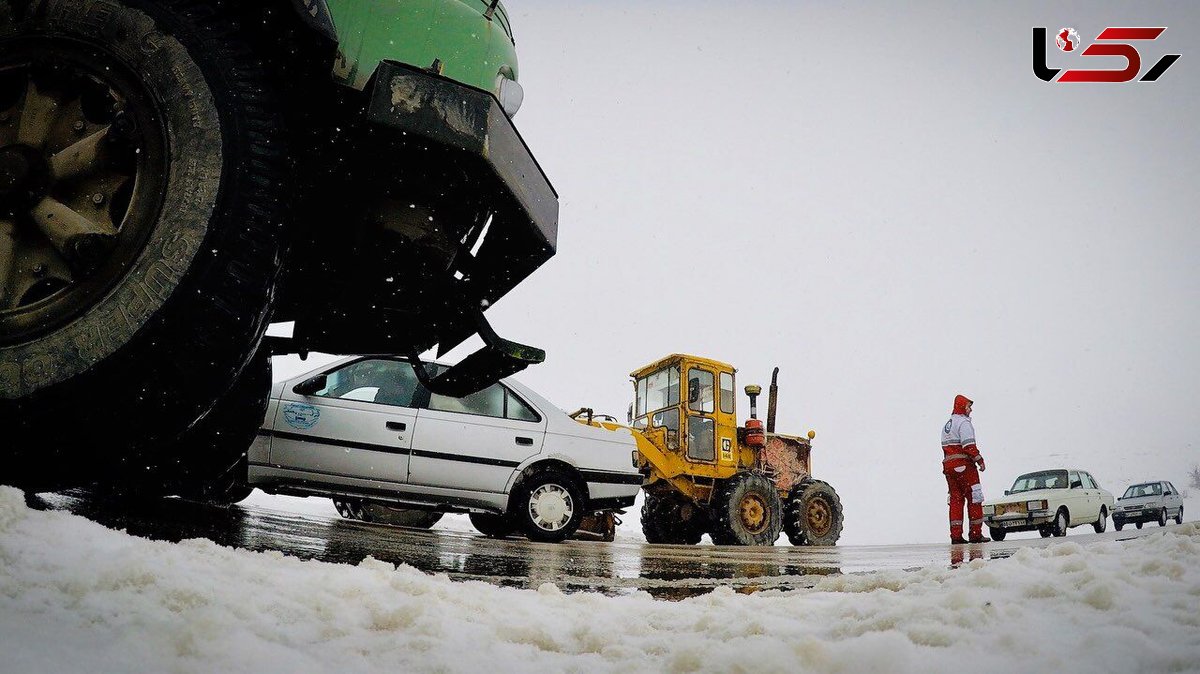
76	597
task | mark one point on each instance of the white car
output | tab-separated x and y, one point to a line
1050	502
364	429
1148	502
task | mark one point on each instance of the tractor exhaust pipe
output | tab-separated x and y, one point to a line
772	399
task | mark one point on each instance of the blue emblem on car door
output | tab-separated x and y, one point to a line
298	415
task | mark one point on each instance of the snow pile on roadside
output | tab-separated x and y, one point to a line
75	596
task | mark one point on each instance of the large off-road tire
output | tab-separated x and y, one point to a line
747	511
211	454
547	505
493	526
401	517
670	518
1101	524
140	246
813	514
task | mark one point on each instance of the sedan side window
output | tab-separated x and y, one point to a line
389	382
1076	483
486	403
1088	482
515	408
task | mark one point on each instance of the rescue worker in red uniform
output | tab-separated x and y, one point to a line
961	464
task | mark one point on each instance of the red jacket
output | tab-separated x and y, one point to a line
958	438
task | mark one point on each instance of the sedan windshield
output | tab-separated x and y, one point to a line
1046	479
1137	490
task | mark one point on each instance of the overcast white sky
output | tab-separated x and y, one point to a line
886	203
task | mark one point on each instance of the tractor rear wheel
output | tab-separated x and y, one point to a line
670	518
814	514
747	511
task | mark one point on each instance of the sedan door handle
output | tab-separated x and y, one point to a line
524	441
397	425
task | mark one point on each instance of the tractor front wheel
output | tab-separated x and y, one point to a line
748	511
670	518
814	514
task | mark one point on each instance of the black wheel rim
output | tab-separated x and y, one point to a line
83	165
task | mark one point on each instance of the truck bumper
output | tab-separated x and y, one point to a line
446	211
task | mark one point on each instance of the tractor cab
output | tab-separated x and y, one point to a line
686	406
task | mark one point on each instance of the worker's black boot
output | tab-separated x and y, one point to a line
957	540
979	538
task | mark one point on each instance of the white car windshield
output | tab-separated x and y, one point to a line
1046	479
1137	490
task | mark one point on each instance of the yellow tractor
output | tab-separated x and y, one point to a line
705	474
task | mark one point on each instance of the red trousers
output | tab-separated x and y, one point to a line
965	486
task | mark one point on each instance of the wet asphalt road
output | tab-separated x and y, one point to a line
664	571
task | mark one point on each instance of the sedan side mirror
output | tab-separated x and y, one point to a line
311	385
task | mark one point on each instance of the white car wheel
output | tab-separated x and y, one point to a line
1162	517
1060	523
1102	523
551	507
549	504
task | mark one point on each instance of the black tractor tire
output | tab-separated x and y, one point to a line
1101	524
548	505
492	525
997	534
1162	517
813	514
135	353
747	510
670	518
401	517
1062	522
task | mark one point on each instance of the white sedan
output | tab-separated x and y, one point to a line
364	429
1050	502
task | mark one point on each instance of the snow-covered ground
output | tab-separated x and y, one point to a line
76	597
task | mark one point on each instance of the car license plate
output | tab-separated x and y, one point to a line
1133	512
1014	523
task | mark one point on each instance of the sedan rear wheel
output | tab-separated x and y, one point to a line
1061	521
549	506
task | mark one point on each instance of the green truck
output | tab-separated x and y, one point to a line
177	174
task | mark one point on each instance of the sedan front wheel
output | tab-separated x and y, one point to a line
1102	523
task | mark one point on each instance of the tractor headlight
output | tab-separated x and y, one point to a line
989	510
511	95
1035	505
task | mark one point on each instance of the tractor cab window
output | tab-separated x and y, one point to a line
726	392
668	419
701	391
702	440
657	391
